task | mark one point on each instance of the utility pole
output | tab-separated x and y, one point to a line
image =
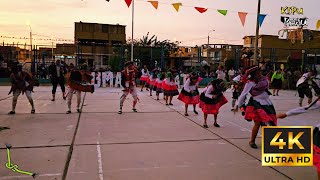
132	30
257	34
208	53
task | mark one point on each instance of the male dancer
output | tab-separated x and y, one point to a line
56	73
21	82
128	78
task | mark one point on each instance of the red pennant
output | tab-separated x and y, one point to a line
200	9
128	2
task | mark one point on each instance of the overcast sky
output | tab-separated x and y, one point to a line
56	18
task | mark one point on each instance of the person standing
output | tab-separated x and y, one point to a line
211	99
128	82
220	73
231	74
56	73
259	108
303	87
276	81
21	82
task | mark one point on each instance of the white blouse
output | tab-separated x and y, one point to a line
187	87
168	82
145	72
263	98
208	90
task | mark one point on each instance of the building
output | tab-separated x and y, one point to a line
94	42
66	53
284	52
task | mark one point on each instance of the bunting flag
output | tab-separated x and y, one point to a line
318	25
128	2
261	18
223	12
154	4
242	16
177	6
200	9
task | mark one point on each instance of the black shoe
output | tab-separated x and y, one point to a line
64	98
216	125
92	88
150	94
205	126
12	112
78	110
167	104
141	90
232	109
253	145
68	112
186	114
33	111
170	104
134	110
195	111
52	99
274	95
157	99
120	112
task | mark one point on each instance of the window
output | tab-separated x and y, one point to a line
105	28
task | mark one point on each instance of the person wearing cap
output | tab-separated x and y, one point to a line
21	82
128	78
144	77
170	88
259	108
190	93
211	99
75	79
303	86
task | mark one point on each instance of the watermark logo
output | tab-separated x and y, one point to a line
287	146
291	10
294	22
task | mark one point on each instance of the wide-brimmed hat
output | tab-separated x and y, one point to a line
128	63
252	70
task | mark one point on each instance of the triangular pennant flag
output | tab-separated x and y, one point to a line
242	16
223	12
128	2
200	9
318	25
261	18
177	6
154	4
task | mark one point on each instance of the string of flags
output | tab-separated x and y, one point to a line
40	39
224	12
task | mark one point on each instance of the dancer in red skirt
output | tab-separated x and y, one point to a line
189	93
158	85
152	79
259	108
170	88
211	99
316	149
144	77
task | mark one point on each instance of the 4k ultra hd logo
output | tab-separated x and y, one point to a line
287	146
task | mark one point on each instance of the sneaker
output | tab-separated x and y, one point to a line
120	112
12	112
134	110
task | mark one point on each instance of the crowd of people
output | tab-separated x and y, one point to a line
257	107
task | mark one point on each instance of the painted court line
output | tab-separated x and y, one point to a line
99	158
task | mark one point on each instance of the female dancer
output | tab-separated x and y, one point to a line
211	99
189	93
158	85
144	77
169	88
259	108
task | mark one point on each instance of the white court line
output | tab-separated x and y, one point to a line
241	127
99	158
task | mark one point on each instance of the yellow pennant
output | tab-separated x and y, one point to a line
318	25
154	4
177	6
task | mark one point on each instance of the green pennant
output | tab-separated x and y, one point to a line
223	12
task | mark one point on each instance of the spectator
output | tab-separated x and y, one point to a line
276	81
231	74
220	73
42	71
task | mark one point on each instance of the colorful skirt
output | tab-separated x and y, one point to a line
276	84
158	86
211	106
144	79
150	83
169	90
80	87
189	98
254	111
316	148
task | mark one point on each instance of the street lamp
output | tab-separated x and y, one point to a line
208	44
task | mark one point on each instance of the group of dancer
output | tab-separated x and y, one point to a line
23	82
